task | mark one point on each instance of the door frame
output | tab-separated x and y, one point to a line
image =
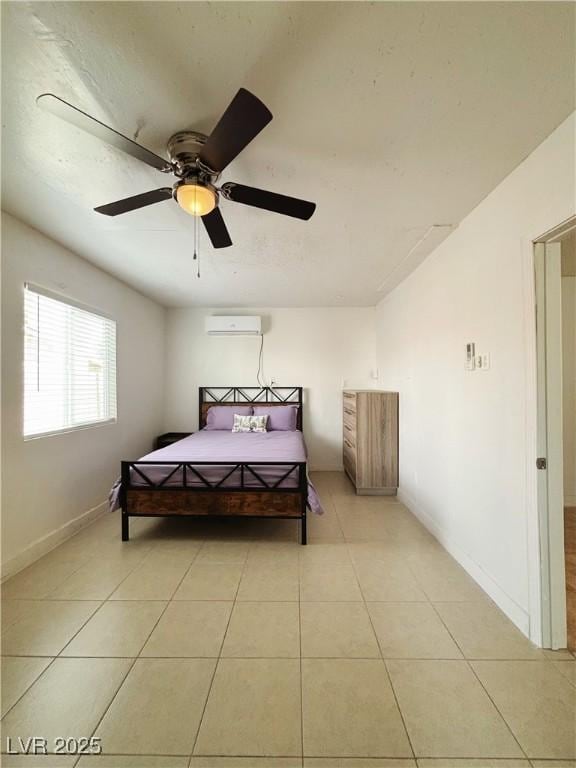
549	439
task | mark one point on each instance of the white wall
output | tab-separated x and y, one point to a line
467	440
51	484
569	386
321	349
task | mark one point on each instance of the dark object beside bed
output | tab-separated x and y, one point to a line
239	488
168	438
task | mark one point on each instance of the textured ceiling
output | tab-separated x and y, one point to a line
393	117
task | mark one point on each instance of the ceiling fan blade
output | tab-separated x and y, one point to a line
269	201
137	201
245	117
216	229
75	116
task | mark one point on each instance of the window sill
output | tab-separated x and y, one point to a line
67	430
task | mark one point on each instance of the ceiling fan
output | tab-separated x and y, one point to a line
197	161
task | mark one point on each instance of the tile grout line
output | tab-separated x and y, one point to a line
72	573
137	565
471	668
131	667
331	757
65	646
568	680
265	658
333	503
429	601
36	679
154	547
49	598
46	597
201	720
411	746
92	615
508	726
80	628
53	550
107	600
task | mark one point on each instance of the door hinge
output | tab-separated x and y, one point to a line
541	463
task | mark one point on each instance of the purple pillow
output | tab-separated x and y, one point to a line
281	418
221	417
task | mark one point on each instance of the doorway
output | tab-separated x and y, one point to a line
555	281
568	280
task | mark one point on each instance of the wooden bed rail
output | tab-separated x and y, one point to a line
229	489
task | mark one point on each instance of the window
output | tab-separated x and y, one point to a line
69	365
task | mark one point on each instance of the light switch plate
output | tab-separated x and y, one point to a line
483	362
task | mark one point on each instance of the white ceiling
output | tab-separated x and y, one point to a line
393	117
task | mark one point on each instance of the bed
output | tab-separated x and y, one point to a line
223	474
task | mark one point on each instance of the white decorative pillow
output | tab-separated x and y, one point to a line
249	423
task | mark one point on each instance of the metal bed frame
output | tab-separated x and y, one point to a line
200	495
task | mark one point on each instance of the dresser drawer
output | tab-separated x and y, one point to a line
349	415
350	401
350	466
349	447
350	432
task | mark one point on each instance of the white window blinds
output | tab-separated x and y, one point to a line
69	365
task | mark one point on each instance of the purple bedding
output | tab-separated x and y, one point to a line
222	446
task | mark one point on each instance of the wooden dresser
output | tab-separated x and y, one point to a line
370	442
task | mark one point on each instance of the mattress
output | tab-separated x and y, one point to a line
206	446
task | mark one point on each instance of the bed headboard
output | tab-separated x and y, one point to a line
234	396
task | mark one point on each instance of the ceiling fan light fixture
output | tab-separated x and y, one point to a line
196	199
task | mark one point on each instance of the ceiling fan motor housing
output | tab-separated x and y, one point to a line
183	150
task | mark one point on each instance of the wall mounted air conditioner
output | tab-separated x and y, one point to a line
232	325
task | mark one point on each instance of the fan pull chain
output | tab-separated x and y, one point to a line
196	256
197	248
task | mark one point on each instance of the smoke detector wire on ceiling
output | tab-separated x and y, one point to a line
411	251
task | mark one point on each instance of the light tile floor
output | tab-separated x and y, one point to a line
203	644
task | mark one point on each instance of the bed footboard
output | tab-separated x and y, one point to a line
223	489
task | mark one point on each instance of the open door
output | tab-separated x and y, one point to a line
547	263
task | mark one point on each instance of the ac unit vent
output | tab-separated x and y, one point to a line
232	325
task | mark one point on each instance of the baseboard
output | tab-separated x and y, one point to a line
376	491
515	613
327	468
570	501
51	540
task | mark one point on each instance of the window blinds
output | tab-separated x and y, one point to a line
69	365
